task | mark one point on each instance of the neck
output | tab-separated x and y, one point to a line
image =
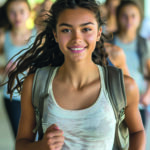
127	37
78	74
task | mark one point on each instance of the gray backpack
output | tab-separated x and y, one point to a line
115	87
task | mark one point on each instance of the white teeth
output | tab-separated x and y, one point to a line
76	49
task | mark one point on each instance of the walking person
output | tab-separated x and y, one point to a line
135	48
77	112
12	41
109	9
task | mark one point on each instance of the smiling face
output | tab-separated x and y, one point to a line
18	12
129	18
76	33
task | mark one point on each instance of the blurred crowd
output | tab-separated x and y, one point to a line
128	45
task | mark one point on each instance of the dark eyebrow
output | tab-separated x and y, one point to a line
68	25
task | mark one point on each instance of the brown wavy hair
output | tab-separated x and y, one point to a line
45	51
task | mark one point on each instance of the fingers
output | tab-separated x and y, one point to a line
55	133
52	128
56	146
54	137
56	141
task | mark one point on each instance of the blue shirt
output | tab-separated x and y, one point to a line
11	50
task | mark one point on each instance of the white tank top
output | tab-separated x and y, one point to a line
92	128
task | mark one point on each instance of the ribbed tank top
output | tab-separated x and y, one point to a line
11	50
92	128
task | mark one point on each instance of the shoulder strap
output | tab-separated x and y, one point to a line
142	49
115	86
40	90
116	92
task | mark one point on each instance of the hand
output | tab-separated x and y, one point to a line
53	138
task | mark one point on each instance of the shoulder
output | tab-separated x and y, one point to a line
131	90
27	118
26	94
27	84
115	53
113	50
38	74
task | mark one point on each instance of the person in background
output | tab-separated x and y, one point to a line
41	14
73	44
12	41
135	48
109	13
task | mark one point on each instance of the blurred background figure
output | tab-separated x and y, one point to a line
109	13
42	11
14	38
16	27
135	47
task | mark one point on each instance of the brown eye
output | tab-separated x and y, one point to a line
86	29
66	30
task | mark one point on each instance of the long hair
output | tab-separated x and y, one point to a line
45	51
4	23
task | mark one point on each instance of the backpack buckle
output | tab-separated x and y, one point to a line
122	114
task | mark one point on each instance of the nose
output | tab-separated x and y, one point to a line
129	19
76	36
17	16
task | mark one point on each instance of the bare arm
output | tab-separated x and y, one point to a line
53	138
27	119
133	118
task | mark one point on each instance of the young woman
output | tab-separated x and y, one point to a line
79	110
11	42
135	48
109	9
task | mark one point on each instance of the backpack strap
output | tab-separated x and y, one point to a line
142	49
40	90
115	87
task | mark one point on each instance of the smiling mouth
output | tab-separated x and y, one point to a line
77	50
